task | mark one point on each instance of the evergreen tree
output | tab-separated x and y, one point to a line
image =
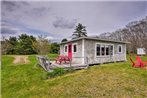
13	45
64	40
55	47
80	31
25	45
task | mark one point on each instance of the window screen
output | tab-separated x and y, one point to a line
74	48
65	48
102	50
98	50
107	50
120	49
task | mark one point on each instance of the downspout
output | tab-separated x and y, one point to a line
83	51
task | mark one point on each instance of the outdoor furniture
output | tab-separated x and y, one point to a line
59	59
67	59
137	63
44	62
62	58
134	64
140	60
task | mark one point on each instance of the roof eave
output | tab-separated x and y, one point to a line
94	39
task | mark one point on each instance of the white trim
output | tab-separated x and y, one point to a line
118	49
67	48
73	47
125	52
105	49
113	48
83	50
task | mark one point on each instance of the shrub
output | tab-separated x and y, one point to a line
57	72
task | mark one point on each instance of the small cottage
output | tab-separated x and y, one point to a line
94	50
141	51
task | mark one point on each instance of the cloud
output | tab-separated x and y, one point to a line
39	11
49	38
58	19
11	28
6	31
60	22
12	6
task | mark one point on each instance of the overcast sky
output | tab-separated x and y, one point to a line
57	19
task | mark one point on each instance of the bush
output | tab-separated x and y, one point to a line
57	72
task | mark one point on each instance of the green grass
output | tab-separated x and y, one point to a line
52	56
115	80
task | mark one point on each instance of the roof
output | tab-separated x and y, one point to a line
94	38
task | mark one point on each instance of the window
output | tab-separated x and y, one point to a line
74	47
98	50
107	50
119	48
104	50
65	48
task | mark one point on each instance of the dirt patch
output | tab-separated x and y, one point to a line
21	59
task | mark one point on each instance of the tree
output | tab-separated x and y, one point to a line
25	44
135	32
54	48
42	45
5	45
64	40
80	31
13	45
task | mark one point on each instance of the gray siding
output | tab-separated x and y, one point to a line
62	50
76	56
90	52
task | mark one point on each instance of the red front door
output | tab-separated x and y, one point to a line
70	50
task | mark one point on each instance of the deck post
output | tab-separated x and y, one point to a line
70	62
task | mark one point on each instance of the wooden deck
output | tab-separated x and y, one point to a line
68	65
48	65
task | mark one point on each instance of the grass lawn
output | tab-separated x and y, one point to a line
115	80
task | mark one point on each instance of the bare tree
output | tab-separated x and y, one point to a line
42	45
5	45
135	32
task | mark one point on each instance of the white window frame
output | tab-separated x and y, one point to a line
73	47
64	49
113	49
105	50
96	50
118	48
